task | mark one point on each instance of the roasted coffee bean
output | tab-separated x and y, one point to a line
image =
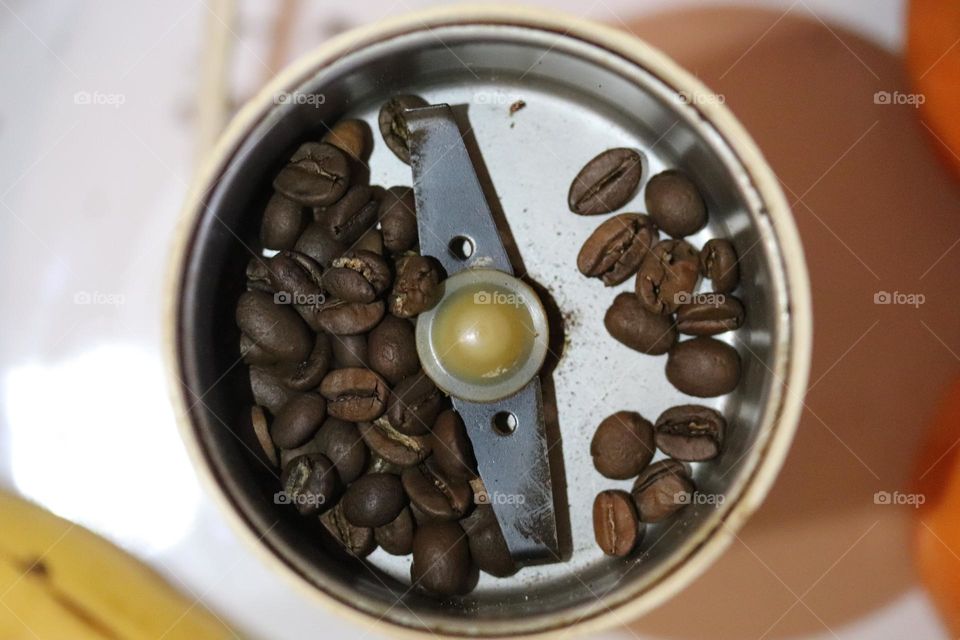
435	496
351	136
349	351
357	541
358	276
393	124
373	500
258	275
396	537
392	446
398	220
261	429
668	275
340	317
268	391
441	559
606	183
382	465
622	445
299	420
371	240
283	220
614	251
630	323
416	287
357	395
690	432
317	242
310	483
307	374
487	546
703	367
295	278
271	332
452	450
675	203
341	442
616	526
719	262
414	405
662	489
710	318
392	349
317	175
353	214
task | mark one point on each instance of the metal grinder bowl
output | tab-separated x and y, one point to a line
587	88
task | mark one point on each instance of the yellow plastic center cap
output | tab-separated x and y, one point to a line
486	338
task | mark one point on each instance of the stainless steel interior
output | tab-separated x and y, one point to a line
580	99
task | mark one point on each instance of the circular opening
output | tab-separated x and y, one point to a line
504	423
462	247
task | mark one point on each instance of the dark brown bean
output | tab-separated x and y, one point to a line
675	203
271	332
299	420
396	537
452	450
416	287
718	314
268	391
357	541
373	500
414	405
690	433
317	175
356	395
719	262
349	351
393	123
441	559
358	276
317	242
487	546
283	220
668	276
307	374
614	251
435	496
622	445
353	214
398	220
630	323
392	446
662	489
310	483
703	367
351	136
371	240
606	183
261	429
340	317
341	442
616	526
392	349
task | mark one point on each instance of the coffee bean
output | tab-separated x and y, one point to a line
310	483
341	442
353	214
719	262
437	497
392	446
261	429
398	220
268	391
662	489
441	559
487	546
283	220
373	500
299	420
340	317
416	287
606	183
614	251
616	526
357	395
396	537
358	276
703	367
622	445
318	242
351	136
296	277
675	203
690	433
317	175
307	374
629	322
271	332
710	318
350	351
393	349
357	541
382	465
668	275
393	124
371	240
414	405
452	450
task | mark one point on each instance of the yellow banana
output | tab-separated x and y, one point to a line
59	581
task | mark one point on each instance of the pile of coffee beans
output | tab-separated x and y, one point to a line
664	304
364	440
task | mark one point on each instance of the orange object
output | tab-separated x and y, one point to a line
937	541
933	61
